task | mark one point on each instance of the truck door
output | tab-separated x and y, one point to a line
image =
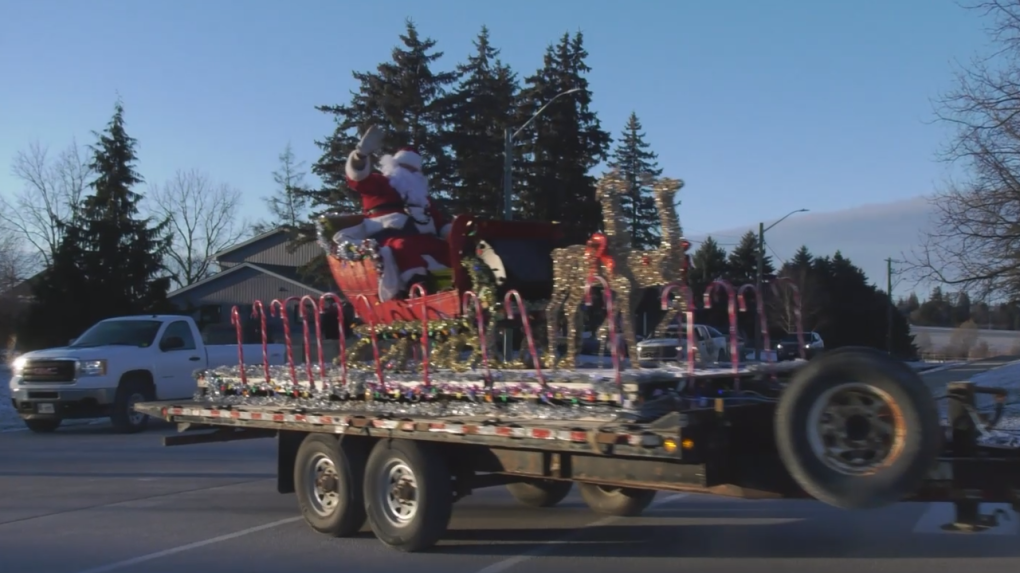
177	363
705	342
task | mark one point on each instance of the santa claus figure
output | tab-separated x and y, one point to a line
398	215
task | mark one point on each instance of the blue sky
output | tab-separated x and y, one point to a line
761	107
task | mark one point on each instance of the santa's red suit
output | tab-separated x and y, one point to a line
399	216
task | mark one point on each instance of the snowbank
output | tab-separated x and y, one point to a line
8	418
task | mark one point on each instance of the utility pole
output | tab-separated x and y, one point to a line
892	304
758	278
508	155
757	286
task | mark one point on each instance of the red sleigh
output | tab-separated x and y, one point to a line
361	277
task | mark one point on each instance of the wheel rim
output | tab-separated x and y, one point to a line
399	490
323	484
135	418
856	429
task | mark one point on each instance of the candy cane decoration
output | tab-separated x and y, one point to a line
278	309
732	307
763	322
480	320
235	319
259	311
792	285
508	300
302	305
372	320
688	295
607	296
418	292
341	331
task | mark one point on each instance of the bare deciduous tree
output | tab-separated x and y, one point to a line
286	205
54	187
16	260
203	220
975	237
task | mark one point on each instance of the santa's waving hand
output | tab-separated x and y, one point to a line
381	204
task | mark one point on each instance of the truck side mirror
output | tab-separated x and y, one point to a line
172	343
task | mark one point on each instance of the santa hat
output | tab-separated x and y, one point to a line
408	156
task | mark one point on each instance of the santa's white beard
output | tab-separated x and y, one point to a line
412	186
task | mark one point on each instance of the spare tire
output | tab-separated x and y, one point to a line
857	429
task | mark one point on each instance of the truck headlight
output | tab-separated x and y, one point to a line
92	368
18	365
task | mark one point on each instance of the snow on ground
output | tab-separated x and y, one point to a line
1007	431
8	418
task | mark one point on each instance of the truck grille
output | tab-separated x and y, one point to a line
48	371
657	353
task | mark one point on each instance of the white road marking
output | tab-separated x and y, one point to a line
941	513
188	547
505	564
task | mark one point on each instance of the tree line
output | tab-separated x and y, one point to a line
836	298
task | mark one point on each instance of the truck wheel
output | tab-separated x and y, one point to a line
408	494
857	429
124	417
328	480
617	501
540	493
43	425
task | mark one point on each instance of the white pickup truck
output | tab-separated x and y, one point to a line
115	364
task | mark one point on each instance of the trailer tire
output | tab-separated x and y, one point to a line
132	389
408	494
857	429
42	425
616	501
540	493
328	481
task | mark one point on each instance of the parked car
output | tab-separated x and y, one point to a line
787	349
115	364
712	344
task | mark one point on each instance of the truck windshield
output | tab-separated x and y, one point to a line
140	333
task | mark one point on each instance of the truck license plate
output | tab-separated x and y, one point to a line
46	409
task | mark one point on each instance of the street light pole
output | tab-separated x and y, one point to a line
760	270
508	161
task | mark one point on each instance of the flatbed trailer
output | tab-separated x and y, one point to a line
402	473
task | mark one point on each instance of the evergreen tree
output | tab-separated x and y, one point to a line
709	264
562	146
110	260
635	163
801	259
408	101
481	108
743	261
961	308
288	205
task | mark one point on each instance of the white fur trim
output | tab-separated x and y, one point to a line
445	231
408	158
432	264
389	221
353	173
354	234
389	282
406	275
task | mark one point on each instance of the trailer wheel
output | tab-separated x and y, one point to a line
540	493
328	478
408	494
616	501
857	429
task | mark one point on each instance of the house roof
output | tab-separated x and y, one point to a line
251	241
235	269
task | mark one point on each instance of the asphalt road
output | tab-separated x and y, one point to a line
85	500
